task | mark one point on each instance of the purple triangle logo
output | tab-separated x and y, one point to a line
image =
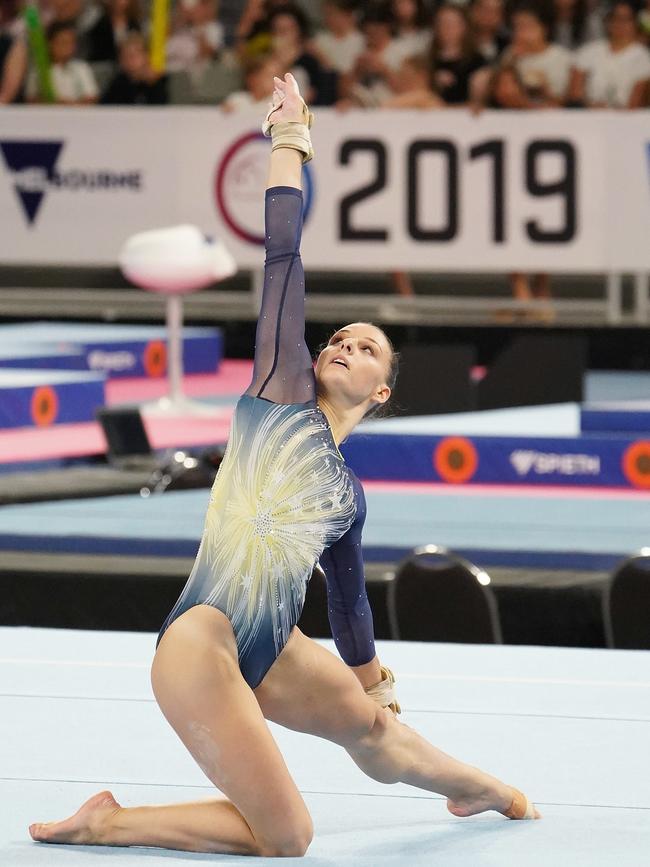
32	164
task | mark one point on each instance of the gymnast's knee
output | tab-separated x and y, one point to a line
291	840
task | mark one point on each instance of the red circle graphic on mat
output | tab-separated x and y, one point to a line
155	358
45	406
636	464
455	460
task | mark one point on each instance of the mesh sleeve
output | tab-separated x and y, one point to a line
283	371
347	601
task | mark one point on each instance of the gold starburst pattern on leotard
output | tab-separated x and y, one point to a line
279	498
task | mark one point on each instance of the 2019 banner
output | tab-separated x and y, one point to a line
428	191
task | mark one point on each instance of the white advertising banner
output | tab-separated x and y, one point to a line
428	191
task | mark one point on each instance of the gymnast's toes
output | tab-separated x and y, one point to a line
84	827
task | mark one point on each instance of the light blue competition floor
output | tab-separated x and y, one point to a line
570	727
563	529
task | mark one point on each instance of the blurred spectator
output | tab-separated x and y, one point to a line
644	22
412	26
83	13
290	31
258	77
507	90
72	79
252	34
576	23
13	56
412	86
487	19
136	83
340	43
196	37
119	18
459	74
544	68
372	79
613	72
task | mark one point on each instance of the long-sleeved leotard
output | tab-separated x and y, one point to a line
283	498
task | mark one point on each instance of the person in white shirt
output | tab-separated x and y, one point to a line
613	72
373	77
258	76
544	68
73	81
340	43
197	37
576	22
412	26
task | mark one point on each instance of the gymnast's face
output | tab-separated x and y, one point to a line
354	365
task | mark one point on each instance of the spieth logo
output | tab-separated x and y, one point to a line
544	463
33	167
98	359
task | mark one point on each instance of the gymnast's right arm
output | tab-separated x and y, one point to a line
283	371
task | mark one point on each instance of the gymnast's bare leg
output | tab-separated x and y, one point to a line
310	690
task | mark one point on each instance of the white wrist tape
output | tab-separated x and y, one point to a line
384	691
290	134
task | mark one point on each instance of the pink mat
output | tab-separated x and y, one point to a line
82	440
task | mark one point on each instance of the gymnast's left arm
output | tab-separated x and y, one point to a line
350	615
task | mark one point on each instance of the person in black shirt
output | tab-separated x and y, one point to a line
454	60
136	83
103	40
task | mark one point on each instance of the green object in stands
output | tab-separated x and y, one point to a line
39	52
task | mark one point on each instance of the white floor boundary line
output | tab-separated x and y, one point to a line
406	708
405	797
470	678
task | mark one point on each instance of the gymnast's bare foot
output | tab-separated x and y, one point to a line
85	827
499	797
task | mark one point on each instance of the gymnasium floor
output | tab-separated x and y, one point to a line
568	726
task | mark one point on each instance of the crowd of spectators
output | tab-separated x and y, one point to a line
347	53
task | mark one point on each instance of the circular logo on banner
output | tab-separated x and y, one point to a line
155	358
45	406
455	460
636	464
239	181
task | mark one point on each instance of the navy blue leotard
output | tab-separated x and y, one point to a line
283	498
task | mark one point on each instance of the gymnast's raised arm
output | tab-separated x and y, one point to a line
283	370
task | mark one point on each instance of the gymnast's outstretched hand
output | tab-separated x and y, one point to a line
288	104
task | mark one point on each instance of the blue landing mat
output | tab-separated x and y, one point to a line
505	529
77	715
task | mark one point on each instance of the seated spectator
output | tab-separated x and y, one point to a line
613	72
644	22
372	78
412	26
413	86
340	43
290	32
507	90
136	83
459	74
543	67
196	38
575	23
258	78
82	13
119	18
252	35
13	57
73	82
487	20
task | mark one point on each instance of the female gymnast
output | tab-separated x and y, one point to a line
229	653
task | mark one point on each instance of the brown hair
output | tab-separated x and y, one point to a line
468	47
